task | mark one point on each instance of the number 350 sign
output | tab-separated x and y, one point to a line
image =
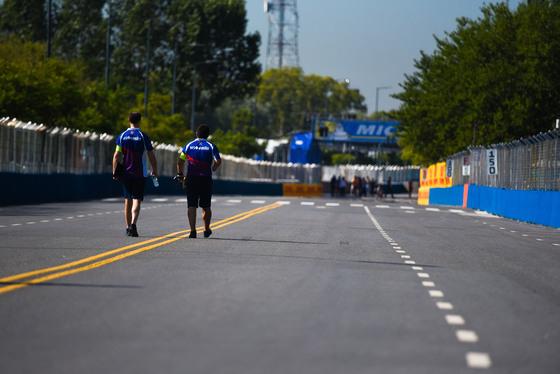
491	162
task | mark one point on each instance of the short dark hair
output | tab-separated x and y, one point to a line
135	118
203	131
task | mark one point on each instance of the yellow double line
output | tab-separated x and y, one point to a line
16	281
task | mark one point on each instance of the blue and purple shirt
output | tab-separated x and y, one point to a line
132	143
199	155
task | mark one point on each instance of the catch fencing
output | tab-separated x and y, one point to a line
37	149
529	163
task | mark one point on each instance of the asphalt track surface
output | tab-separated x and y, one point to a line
284	285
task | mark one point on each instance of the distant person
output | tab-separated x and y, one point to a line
202	158
390	187
410	185
129	156
334	184
342	186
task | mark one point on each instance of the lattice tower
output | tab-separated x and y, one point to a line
282	47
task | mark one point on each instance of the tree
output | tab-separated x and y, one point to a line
494	79
291	95
25	19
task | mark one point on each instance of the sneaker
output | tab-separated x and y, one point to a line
127	232
192	235
133	231
207	233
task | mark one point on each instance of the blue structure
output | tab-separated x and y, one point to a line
304	149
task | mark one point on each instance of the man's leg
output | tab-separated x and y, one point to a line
135	210
128	212
191	213
207	217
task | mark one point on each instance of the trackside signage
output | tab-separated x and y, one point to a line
354	131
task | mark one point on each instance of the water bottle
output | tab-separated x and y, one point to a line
155	180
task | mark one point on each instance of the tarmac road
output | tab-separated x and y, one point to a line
284	285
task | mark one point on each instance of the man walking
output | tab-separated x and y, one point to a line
202	159
131	146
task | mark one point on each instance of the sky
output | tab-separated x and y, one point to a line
373	43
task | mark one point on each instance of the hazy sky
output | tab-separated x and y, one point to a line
371	42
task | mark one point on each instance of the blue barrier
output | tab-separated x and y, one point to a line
540	207
447	196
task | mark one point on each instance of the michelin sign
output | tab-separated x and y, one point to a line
353	131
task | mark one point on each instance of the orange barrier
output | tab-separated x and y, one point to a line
432	176
303	190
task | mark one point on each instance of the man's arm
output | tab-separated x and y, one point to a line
180	165
117	159
153	161
217	163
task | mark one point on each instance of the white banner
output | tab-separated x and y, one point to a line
491	162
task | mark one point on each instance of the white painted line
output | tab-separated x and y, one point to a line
234	201
428	284
423	275
410	262
456	211
454	319
73	217
407	207
513	231
478	360
321	207
397	247
283	202
58	219
160	200
467	336
432	209
524	235
82	216
2	225
31	223
310	203
556	244
540	240
185	200
410	212
333	204
417	268
436	293
257	201
444	305
382	206
405	256
111	199
16	224
45	220
394	243
357	205
400	251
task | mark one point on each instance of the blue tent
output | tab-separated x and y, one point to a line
304	150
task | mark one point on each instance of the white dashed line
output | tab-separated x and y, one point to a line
432	209
444	305
283	202
478	360
454	319
428	284
357	205
467	336
405	256
417	268
382	206
257	201
234	201
333	204
436	293
409	262
407	207
456	211
423	275
31	223
309	203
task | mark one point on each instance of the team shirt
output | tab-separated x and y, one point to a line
199	155
132	143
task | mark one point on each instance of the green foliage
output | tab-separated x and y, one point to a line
33	90
494	79
343	159
159	125
241	143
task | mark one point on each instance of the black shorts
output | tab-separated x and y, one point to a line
199	191
134	187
